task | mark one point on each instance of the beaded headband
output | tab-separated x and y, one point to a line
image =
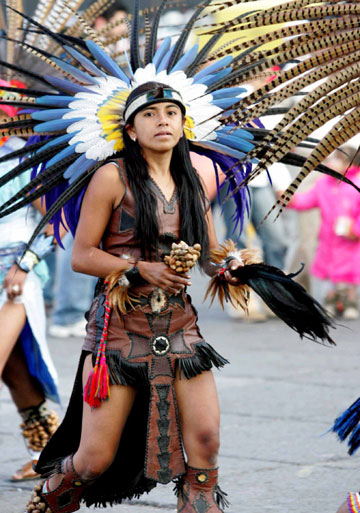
157	95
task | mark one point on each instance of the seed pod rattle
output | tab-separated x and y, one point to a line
182	257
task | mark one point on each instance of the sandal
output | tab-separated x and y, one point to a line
25	473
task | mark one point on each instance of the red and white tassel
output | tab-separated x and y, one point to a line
97	388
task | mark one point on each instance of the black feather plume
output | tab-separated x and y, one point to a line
22	71
75	187
21	152
135	60
44	179
151	47
30	162
38	193
178	49
190	71
288	300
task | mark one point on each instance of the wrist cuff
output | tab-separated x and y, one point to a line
134	277
28	261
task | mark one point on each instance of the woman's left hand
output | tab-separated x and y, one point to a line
14	282
233	264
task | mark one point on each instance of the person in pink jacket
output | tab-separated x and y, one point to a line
337	256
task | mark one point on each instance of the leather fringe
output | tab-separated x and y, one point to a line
220	497
179	487
237	295
107	501
123	372
204	359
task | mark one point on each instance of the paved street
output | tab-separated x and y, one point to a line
278	398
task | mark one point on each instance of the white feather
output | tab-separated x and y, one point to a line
101	151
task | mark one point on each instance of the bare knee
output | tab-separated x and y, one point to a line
208	442
92	464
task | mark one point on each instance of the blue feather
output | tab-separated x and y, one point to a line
57	100
106	62
66	85
165	60
234	176
238	132
79	75
48	115
354	441
161	51
348	423
228	92
58	140
210	79
186	59
66	152
222	148
222	63
131	73
85	62
55	125
235	142
78	167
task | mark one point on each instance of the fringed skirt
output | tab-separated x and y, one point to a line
156	341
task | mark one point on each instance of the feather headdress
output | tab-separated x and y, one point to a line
75	108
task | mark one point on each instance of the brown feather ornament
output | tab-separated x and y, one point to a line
238	295
118	292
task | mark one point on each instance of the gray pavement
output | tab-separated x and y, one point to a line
278	398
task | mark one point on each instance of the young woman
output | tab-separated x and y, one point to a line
133	210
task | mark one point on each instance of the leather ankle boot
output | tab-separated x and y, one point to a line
199	492
65	498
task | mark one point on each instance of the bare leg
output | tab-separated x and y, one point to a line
38	423
101	431
25	390
12	321
199	419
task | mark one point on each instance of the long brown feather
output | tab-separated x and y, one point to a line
310	121
314	27
338	135
276	16
332	83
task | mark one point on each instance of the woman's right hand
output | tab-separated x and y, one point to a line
160	275
14	282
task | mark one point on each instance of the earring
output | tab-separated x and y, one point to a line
133	138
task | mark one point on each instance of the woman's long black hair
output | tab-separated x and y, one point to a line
192	200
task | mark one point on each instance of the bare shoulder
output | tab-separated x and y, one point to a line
107	182
108	173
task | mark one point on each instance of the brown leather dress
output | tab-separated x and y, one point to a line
146	348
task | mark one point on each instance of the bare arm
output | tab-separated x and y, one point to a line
103	193
210	268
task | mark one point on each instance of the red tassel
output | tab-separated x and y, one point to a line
97	388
